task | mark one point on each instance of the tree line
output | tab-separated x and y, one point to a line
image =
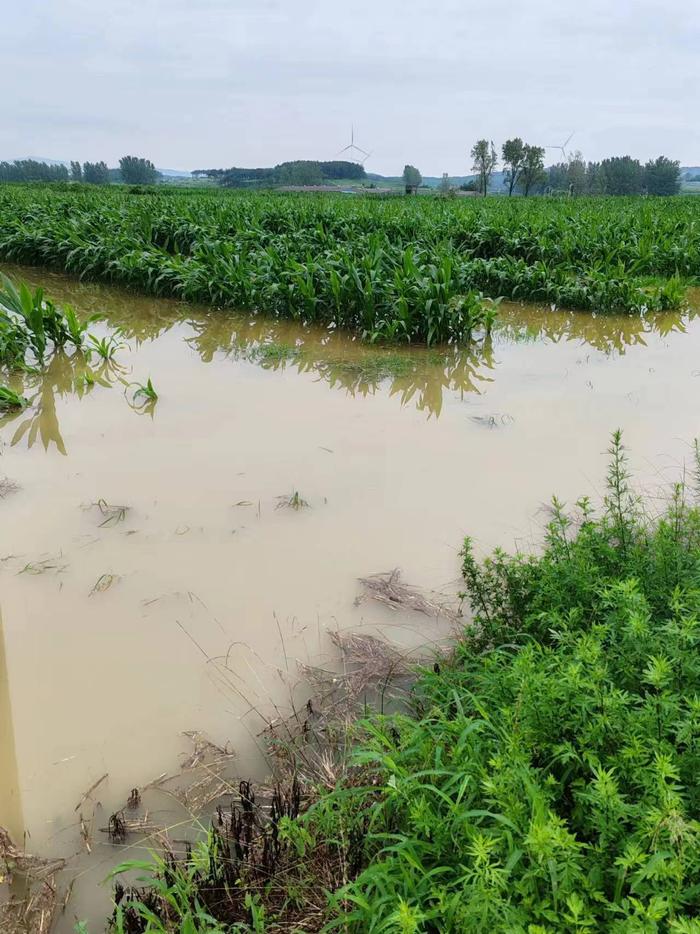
299	172
524	171
133	170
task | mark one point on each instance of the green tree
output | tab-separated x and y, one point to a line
623	175
662	176
484	162
138	171
411	177
76	172
532	173
29	170
513	151
301	172
595	179
577	175
445	189
96	173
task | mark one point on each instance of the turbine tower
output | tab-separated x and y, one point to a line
352	148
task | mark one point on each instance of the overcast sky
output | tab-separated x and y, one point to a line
205	83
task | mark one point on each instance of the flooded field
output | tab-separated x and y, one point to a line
154	577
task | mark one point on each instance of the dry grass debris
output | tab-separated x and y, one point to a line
34	910
388	588
7	486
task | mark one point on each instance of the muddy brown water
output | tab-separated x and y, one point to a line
217	593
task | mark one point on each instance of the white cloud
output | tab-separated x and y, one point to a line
254	82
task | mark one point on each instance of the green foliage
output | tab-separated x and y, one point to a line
32	323
513	152
142	397
9	399
96	173
623	175
389	269
620	175
542	779
532	174
146	391
137	171
662	176
546	780
411	177
299	172
176	883
105	348
29	170
484	160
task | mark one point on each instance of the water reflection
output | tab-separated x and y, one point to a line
10	800
64	375
415	376
608	334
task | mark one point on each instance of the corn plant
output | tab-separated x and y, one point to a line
31	322
389	269
105	348
9	399
146	391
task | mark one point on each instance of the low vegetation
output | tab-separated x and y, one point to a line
9	399
542	778
398	270
31	325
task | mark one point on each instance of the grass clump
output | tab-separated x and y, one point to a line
542	777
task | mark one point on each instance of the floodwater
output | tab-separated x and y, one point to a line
152	580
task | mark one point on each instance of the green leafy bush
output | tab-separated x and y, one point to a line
547	777
544	776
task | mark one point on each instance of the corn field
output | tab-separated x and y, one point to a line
405	270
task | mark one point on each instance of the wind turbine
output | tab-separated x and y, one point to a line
563	146
352	148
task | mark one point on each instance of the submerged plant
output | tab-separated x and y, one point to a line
9	399
293	500
145	391
111	514
31	322
142	397
104	347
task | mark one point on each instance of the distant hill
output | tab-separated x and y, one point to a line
175	173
